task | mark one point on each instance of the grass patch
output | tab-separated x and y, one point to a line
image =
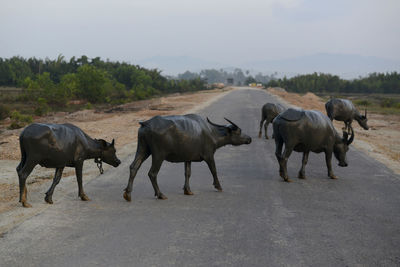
387	104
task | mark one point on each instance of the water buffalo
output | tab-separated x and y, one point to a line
344	110
185	139
268	113
305	131
57	146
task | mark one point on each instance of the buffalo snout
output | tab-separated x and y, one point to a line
245	139
117	163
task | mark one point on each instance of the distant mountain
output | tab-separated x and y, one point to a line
174	65
346	66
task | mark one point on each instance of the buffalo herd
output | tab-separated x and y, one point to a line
188	138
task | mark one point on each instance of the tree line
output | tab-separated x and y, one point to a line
58	81
238	76
382	83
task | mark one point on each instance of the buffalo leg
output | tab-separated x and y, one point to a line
283	162
155	168
57	177
349	126
261	124
302	172
328	159
346	126
23	173
140	157
186	187
278	153
78	171
266	128
213	169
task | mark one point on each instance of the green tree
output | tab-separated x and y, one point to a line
93	83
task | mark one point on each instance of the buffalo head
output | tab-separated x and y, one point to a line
233	133
342	146
363	120
108	153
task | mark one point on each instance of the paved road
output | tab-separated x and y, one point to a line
258	220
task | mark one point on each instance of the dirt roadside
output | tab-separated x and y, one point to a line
381	141
120	123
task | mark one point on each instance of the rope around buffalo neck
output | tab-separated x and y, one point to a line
99	165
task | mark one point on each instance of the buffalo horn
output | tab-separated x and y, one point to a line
231	123
213	124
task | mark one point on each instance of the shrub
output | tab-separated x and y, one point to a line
362	102
42	108
88	105
388	103
4	112
18	120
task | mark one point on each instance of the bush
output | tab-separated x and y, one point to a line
4	112
362	102
88	105
388	103
42	108
18	120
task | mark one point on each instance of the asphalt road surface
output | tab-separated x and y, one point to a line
258	220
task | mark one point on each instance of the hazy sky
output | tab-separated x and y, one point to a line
225	31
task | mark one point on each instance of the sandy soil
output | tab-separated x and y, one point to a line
120	123
381	141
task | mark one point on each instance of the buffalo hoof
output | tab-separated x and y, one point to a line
285	178
162	196
26	205
266	137
259	135
302	176
187	192
127	196
85	198
48	199
333	176
218	187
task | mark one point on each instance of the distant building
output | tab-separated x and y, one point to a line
229	81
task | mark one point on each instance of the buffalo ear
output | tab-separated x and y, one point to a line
113	142
102	142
